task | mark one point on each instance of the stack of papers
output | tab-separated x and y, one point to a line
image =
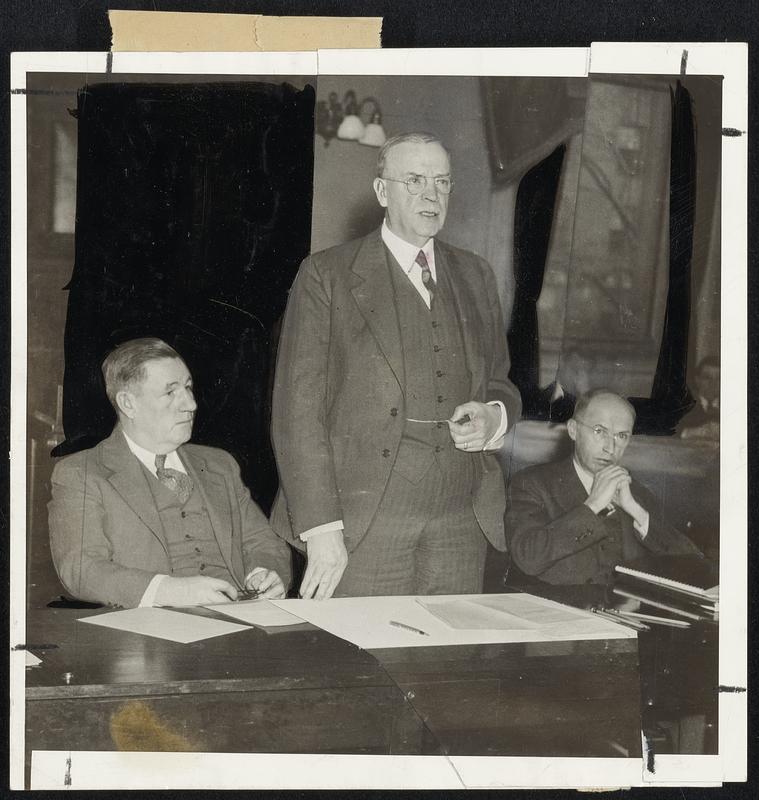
452	620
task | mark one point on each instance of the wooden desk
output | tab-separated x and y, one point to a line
679	668
305	690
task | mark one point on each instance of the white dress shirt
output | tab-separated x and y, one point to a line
586	478
405	254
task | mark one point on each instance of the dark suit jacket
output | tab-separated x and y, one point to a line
106	536
338	408
552	533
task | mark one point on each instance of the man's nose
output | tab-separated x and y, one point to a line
188	401
431	192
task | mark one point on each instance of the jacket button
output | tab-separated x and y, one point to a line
440	398
439	373
385	453
436	348
438	448
393	412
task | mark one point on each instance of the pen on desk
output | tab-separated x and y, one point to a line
675	623
408	628
615	617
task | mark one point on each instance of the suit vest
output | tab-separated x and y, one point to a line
436	377
190	539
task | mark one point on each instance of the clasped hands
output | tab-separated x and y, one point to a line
611	485
199	590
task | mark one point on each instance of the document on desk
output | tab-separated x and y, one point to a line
164	624
381	622
257	612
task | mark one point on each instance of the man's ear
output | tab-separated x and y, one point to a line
380	189
572	429
125	402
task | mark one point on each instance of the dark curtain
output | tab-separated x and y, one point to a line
533	219
670	397
193	213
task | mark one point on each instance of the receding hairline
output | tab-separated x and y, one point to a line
586	400
413	137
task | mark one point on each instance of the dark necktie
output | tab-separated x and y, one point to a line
173	479
427	279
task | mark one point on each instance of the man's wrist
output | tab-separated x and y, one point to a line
327	527
595	506
503	423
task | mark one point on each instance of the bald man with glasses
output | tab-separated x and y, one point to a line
391	396
572	521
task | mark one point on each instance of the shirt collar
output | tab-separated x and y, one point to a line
586	478
404	253
148	459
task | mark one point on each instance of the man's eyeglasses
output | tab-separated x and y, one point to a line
416	184
599	432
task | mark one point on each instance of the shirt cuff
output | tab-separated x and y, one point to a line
148	597
336	525
642	528
494	443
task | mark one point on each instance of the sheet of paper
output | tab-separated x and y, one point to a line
501	612
257	612
365	621
32	660
163	624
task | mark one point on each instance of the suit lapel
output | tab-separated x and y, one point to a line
571	493
469	318
373	293
128	479
213	488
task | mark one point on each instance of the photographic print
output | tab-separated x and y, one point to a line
370	422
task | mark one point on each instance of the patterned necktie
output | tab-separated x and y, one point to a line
173	479
427	279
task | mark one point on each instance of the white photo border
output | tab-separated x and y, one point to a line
244	771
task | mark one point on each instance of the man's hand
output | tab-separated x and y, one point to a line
197	590
606	483
327	558
267	583
625	500
483	422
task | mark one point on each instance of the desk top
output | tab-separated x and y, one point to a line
491	699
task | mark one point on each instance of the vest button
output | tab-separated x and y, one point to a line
440	373
440	398
385	453
202	566
184	514
187	536
393	412
436	348
440	424
438	448
434	323
197	549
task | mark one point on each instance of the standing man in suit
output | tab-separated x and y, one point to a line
145	519
390	394
572	521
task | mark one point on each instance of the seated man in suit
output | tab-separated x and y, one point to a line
572	521
145	519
